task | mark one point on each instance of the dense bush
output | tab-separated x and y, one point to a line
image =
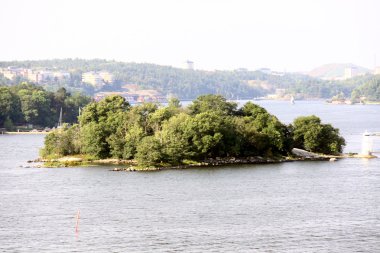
310	134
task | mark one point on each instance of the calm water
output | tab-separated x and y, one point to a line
290	207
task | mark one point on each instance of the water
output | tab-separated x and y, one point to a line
289	207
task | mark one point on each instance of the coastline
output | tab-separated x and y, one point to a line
222	162
23	133
131	165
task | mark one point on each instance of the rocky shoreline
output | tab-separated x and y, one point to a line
131	165
225	161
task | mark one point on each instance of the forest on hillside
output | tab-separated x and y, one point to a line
189	84
369	89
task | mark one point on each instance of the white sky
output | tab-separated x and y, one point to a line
291	35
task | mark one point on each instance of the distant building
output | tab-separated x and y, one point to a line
190	65
97	79
267	71
280	92
12	72
377	71
350	72
35	76
92	78
134	97
8	73
241	70
131	87
107	77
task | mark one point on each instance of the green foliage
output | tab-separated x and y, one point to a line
8	124
205	131
214	103
174	139
103	127
369	90
188	84
132	139
270	134
62	142
211	127
310	134
29	104
94	140
149	152
9	106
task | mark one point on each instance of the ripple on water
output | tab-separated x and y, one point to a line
291	207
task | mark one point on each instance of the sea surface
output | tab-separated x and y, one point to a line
288	207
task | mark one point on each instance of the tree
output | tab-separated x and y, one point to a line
102	124
62	142
310	134
370	89
212	103
205	130
35	105
93	140
268	127
72	105
149	152
9	107
249	140
174	140
132	138
27	103
8	124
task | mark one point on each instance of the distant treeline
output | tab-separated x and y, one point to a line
188	84
369	88
210	127
29	104
182	83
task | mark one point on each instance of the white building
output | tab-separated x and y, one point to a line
107	77
35	76
190	65
97	79
350	72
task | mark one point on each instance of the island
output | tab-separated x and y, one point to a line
210	131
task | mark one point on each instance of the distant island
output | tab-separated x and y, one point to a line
209	129
143	82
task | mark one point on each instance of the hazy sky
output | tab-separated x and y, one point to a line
294	35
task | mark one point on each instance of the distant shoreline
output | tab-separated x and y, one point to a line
20	133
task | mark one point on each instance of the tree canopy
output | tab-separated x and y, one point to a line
310	134
30	104
210	127
368	90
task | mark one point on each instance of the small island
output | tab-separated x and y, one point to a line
210	131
